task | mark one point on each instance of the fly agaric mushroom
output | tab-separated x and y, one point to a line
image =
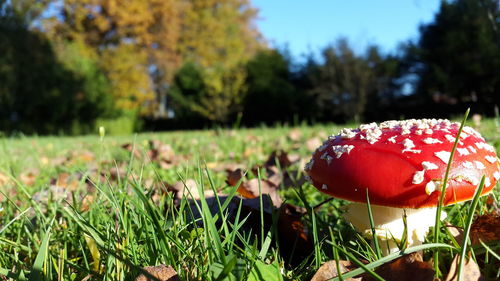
401	164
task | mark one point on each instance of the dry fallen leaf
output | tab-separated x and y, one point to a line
250	189
4	180
470	271
329	270
29	177
189	189
282	158
313	143
485	228
295	135
160	272
409	267
291	231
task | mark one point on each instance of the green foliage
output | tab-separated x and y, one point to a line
458	55
38	92
344	83
272	92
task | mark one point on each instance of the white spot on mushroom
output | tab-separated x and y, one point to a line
472	149
339	150
485	146
347	133
496	175
418	177
429	165
309	165
487	182
409	145
450	138
418	132
463	135
428	131
431	141
479	165
491	159
324	187
471	179
468	165
443	155
392	139
322	147
463	151
430	187
327	158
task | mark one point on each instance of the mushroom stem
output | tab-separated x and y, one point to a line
389	225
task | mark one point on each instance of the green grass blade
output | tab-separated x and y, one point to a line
389	258
437	225
37	271
372	225
470	216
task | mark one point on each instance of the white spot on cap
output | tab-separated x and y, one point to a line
418	177
463	151
443	155
479	165
485	146
491	159
308	178
326	157
392	139
487	182
322	147
324	187
418	132
450	138
468	165
463	135
428	131
339	150
347	133
429	165
431	141
496	175
309	165
409	145
430	187
472	149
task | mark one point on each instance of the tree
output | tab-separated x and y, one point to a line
219	36
38	92
458	55
272	94
129	39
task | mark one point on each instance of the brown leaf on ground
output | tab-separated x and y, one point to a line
160	272
456	232
234	176
409	267
66	181
470	271
329	270
295	135
130	148
4	180
189	189
485	228
291	231
282	158
29	177
313	143
250	189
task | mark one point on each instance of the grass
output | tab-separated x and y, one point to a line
131	224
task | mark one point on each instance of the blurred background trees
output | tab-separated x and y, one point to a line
68	66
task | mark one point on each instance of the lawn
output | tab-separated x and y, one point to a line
106	207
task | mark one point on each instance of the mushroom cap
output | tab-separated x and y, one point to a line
402	163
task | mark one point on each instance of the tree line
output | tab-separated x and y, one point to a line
65	66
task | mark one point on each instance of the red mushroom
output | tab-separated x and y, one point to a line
402	165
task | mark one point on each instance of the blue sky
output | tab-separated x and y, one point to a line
309	25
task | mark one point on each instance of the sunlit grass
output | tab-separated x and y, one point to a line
124	229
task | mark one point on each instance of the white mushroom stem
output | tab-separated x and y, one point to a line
389	225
